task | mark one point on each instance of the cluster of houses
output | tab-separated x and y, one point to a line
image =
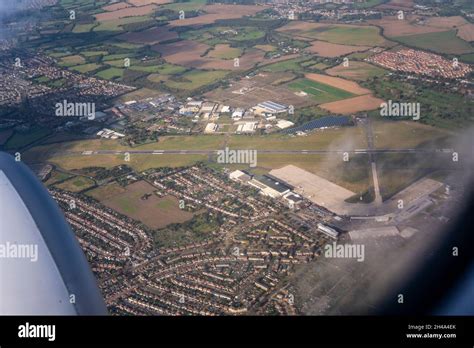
419	62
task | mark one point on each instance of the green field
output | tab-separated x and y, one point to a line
246	34
191	5
359	71
71	60
468	58
127	45
442	42
368	3
119	63
115	25
57	177
286	65
110	74
319	92
348	35
94	53
163	69
76	184
83	28
225	52
195	79
86	67
21	139
121	56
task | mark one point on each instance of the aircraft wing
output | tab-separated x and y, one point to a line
43	270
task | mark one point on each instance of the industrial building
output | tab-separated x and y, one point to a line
293	200
270	186
211	128
269	107
329	231
240	176
248	127
282	124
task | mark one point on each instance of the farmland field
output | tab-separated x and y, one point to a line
86	67
125	12
150	36
195	79
191	5
319	92
116	24
110	74
83	28
442	42
224	52
147	2
192	54
327	49
71	61
217	12
336	33
336	82
352	105
163	69
287	65
394	27
116	6
358	71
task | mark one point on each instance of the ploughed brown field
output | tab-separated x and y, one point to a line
298	28
465	29
150	36
327	49
216	12
348	106
395	27
466	32
148	2
350	86
116	6
191	54
125	12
